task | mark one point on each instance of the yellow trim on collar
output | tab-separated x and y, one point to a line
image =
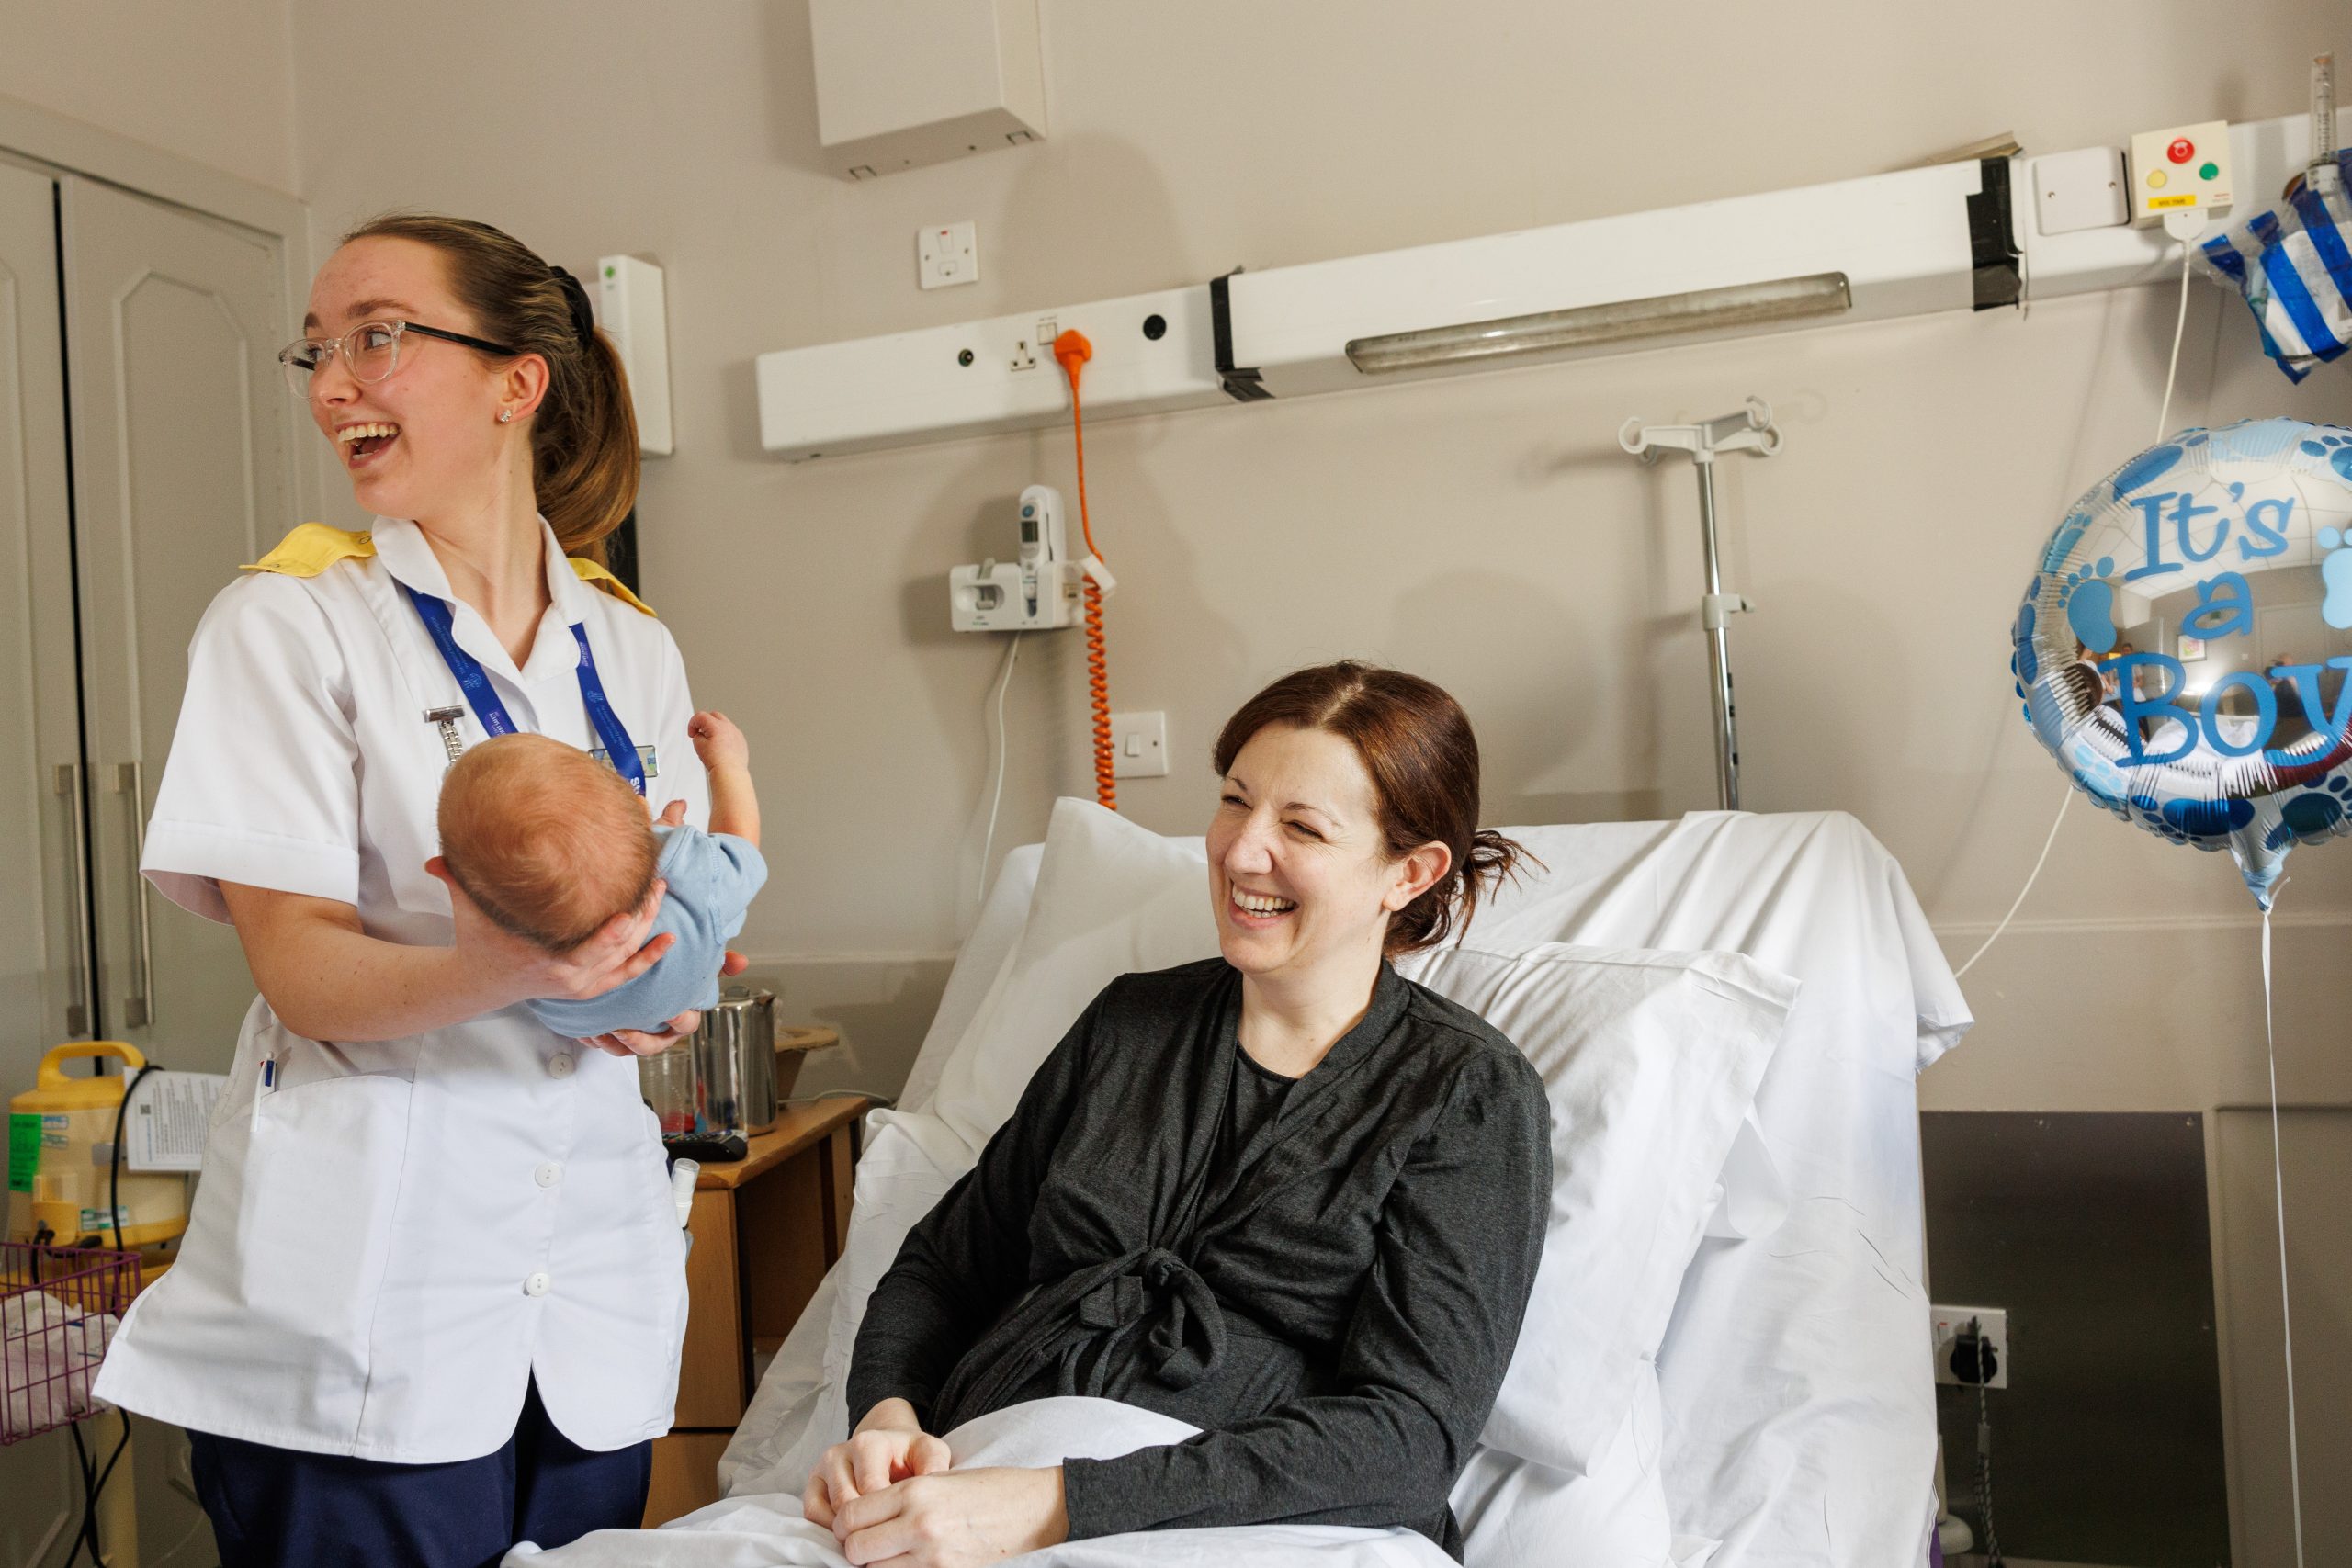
312	548
590	572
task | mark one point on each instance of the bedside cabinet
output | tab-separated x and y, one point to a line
766	1227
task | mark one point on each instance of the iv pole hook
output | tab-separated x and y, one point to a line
1749	430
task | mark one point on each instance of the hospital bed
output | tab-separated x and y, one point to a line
1792	1417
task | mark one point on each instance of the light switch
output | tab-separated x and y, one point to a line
1139	745
946	255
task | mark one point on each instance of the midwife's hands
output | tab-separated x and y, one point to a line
642	1042
501	968
955	1518
652	1043
646	1043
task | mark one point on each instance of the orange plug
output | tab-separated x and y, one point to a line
1072	349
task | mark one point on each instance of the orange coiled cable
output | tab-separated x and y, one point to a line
1071	350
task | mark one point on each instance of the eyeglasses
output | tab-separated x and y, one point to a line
371	351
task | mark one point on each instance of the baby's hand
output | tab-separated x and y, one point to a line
717	742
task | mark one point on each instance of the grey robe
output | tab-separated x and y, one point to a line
1335	1308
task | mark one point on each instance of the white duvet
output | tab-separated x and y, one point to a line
766	1529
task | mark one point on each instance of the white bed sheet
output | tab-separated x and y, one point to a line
1799	1398
766	1529
1799	1408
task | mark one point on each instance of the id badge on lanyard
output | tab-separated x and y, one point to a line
484	698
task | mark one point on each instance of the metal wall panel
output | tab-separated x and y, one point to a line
2091	1230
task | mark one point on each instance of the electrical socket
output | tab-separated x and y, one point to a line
1025	352
1992	1324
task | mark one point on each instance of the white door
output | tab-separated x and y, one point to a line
45	992
45	995
182	469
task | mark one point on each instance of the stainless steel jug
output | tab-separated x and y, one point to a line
734	1054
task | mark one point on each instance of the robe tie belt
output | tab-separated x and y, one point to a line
1186	1338
1071	1316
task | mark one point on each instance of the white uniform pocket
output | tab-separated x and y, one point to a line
323	1177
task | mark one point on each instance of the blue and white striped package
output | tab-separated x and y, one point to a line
2294	267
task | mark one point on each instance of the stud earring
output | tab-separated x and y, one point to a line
504	415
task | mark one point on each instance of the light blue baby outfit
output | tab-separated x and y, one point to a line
712	878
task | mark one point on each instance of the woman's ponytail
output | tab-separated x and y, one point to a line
585	462
1451	902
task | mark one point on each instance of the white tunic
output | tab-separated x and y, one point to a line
393	1236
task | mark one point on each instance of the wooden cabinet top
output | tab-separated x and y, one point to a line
798	1127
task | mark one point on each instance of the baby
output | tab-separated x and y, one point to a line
551	843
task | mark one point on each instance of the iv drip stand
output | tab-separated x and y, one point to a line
1751	430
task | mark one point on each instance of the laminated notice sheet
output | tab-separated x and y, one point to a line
166	1125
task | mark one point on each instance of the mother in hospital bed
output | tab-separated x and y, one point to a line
1284	1194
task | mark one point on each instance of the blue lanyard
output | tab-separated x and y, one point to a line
484	698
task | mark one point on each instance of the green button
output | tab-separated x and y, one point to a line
2209	171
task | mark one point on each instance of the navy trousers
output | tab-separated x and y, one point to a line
280	1509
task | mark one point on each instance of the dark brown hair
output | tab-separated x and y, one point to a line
1416	743
583	437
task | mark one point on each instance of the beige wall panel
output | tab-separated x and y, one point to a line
210	82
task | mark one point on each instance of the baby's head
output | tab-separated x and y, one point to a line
548	841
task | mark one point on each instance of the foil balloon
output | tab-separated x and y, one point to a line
2185	649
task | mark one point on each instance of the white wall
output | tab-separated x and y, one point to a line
211	81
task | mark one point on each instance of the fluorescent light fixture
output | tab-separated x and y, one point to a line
1619	321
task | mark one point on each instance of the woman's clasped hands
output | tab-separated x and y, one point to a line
889	1496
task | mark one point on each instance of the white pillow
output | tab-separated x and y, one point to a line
1649	1060
1749	1199
801	1406
1112	898
1517	1513
985	948
910	1161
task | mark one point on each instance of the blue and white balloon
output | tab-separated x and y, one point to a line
2185	647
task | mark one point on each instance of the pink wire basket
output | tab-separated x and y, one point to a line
59	1309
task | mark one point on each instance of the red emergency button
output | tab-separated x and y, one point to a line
2181	151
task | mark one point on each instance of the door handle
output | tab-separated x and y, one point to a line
77	863
139	1008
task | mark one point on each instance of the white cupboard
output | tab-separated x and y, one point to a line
147	449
